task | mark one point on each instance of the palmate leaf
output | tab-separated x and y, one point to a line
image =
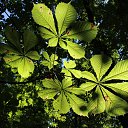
43	16
83	31
50	61
109	97
24	65
65	94
17	57
76	51
65	15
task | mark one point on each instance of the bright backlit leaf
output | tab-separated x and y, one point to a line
25	67
65	29
50	61
66	17
120	71
82	30
109	97
69	65
21	57
75	50
43	16
65	94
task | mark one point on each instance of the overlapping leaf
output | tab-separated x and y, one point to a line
43	16
69	69
50	61
65	15
66	98
82	30
18	57
109	97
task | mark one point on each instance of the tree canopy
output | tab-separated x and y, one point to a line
63	63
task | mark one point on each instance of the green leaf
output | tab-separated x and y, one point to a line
100	64
119	88
50	83
12	59
78	105
65	15
120	71
53	57
66	72
97	103
46	56
62	44
42	15
53	42
46	33
77	91
47	93
89	76
83	31
51	61
76	73
25	67
61	104
46	63
66	83
76	51
69	64
30	40
87	86
115	106
13	36
33	55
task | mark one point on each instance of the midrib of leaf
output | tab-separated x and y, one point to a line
109	78
73	48
47	22
64	20
71	98
115	88
100	73
78	32
106	94
16	60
